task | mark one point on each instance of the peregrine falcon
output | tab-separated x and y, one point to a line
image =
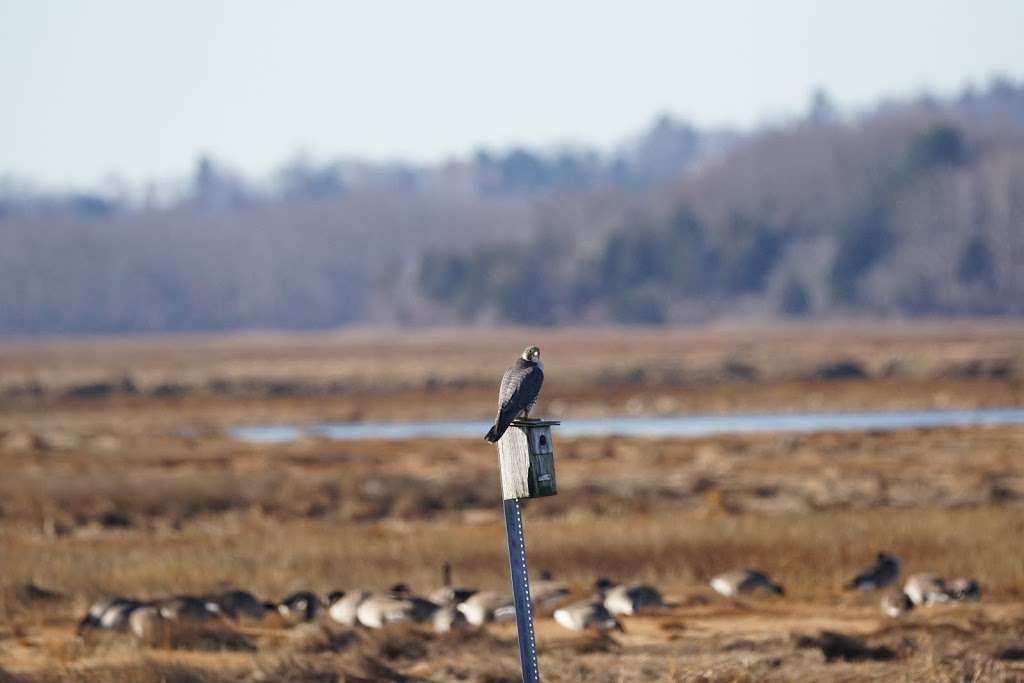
520	386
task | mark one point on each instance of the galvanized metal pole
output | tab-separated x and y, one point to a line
526	460
521	590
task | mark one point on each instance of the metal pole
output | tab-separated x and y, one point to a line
521	590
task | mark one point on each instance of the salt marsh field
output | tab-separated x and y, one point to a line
122	477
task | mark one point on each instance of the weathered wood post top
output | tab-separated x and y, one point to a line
526	456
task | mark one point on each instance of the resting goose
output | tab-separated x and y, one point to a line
896	604
883	573
629	599
547	593
448	618
149	626
486	606
587	614
235	603
378	611
447	594
960	589
188	608
299	606
342	606
109	613
739	581
926	589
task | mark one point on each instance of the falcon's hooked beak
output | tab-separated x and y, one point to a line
532	353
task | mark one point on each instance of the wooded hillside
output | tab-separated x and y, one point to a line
914	208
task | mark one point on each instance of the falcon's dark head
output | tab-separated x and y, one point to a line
532	353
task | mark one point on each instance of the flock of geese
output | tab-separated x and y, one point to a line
919	590
450	607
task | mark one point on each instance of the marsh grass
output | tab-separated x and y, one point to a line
141	494
812	555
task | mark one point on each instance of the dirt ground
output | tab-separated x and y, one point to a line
118	478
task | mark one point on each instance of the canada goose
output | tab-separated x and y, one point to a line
95	613
547	593
883	573
448	618
926	589
422	610
382	609
109	613
149	626
745	581
116	617
960	589
446	594
378	611
188	608
342	606
629	599
896	603
237	603
398	604
486	606
587	614
299	606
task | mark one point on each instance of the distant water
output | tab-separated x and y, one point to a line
679	426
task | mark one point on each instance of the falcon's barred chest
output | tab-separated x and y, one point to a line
514	378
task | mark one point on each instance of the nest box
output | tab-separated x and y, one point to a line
526	456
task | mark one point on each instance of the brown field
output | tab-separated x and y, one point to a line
117	478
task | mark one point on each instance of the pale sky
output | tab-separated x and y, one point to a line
141	87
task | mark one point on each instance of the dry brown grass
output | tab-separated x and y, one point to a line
143	495
442	373
680	551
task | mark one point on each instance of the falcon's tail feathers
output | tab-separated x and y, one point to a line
492	435
501	423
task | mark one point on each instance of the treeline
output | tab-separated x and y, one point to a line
659	154
915	208
911	211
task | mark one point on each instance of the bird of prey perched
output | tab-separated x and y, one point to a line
520	386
